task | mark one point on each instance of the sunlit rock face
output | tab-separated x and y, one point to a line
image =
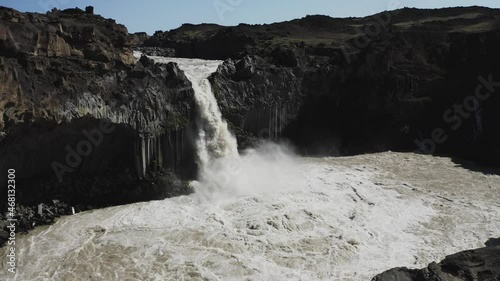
43	75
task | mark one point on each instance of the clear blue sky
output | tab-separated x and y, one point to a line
152	15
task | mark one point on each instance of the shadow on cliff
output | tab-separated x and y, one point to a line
77	164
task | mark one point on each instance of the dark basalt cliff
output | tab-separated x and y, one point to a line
356	85
61	75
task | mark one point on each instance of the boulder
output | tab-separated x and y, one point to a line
479	264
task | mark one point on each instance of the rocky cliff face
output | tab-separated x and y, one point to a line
345	86
61	75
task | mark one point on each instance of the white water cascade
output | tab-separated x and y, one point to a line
220	165
215	140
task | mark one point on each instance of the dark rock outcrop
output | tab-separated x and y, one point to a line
62	76
257	98
480	264
203	41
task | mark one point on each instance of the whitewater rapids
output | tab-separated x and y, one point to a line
338	219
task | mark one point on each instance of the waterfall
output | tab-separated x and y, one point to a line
214	140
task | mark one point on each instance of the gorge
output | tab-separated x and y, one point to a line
241	129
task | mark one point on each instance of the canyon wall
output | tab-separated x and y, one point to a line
398	80
84	121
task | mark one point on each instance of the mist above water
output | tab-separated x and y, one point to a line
267	168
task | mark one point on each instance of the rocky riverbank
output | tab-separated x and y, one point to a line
479	264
